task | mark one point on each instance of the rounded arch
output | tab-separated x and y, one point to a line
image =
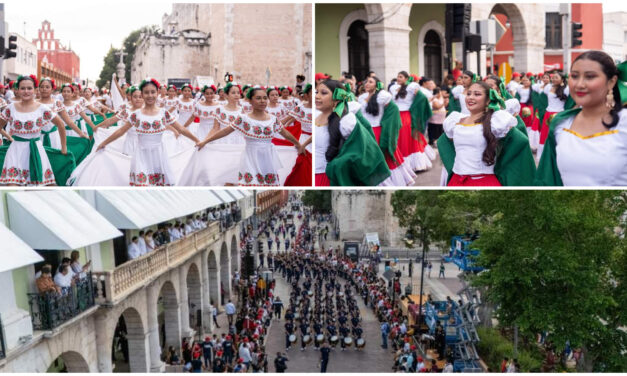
225	274
214	278
169	318
439	29
518	28
129	342
194	295
73	362
235	255
356	15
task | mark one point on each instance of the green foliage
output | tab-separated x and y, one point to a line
419	212
493	347
319	200
108	69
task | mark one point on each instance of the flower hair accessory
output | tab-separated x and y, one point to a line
307	88
67	85
172	87
32	77
76	84
212	87
230	85
149	80
270	88
131	89
251	90
187	86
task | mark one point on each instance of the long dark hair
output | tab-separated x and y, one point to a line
335	136
559	91
610	70
373	107
489	154
469	74
402	92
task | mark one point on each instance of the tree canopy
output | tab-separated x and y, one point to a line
319	200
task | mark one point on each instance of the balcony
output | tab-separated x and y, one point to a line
50	310
3	352
115	285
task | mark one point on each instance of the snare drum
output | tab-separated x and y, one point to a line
307	339
360	343
333	340
320	338
292	338
348	341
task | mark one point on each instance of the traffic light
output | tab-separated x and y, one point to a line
10	51
576	34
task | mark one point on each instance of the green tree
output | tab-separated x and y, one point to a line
319	200
108	68
551	259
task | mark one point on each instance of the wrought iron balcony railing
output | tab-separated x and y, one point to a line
49	310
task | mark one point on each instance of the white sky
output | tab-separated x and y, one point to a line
90	27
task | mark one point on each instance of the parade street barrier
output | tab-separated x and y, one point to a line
115	285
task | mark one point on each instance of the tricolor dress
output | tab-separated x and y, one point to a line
412	150
225	118
528	115
149	163
259	163
571	159
300	175
555	106
469	168
25	128
401	172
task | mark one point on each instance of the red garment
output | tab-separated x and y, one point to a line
322	180
397	154
294	129
456	73
406	143
480	180
544	130
301	172
530	121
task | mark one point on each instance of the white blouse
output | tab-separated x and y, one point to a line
404	103
596	160
383	98
470	143
555	104
458	93
524	93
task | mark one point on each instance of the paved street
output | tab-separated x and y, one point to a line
431	177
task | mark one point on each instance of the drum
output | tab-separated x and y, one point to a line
292	338
319	338
348	341
333	341
310	293
307	339
297	316
360	343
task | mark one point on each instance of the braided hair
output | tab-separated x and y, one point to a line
610	70
402	92
335	136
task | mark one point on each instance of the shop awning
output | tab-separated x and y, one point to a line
138	209
57	220
247	192
237	195
225	197
14	252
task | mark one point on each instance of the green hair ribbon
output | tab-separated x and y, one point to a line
496	101
342	96
622	81
379	85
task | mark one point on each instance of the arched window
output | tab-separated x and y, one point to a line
358	54
433	56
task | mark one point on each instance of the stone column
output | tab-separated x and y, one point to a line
389	50
207	320
103	346
152	295
186	331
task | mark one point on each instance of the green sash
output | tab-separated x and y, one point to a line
80	147
540	103
47	135
548	174
390	127
34	161
62	165
514	165
360	161
420	111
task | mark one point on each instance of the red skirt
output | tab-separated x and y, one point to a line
397	154
481	180
301	172
322	180
406	143
531	121
294	129
544	130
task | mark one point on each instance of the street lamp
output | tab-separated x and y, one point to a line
409	241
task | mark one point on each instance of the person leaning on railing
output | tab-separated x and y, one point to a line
77	268
44	283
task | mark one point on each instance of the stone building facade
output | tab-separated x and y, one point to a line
243	39
362	211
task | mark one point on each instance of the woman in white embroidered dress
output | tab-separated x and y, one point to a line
50	132
26	162
126	109
205	111
259	163
75	111
228	113
149	163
